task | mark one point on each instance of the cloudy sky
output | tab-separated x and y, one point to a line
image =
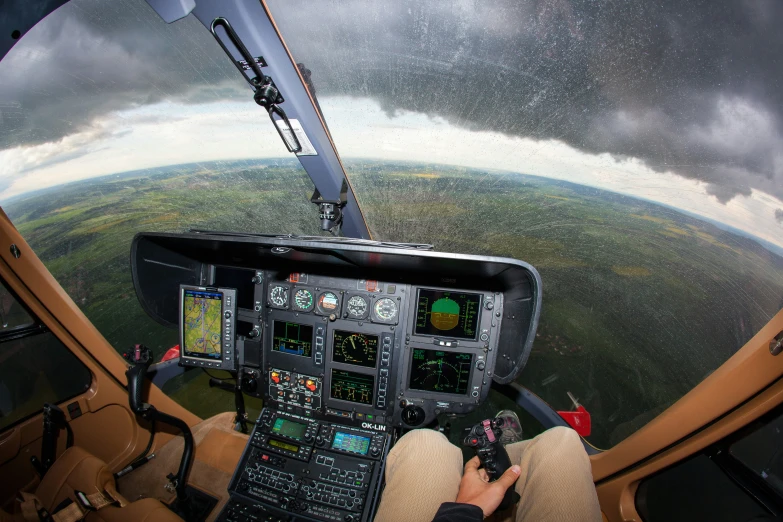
676	102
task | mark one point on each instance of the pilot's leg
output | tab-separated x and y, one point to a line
423	470
556	482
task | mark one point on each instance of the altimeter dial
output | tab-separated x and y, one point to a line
357	307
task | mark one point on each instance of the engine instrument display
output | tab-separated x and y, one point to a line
328	303
352	386
451	314
303	300
292	338
385	310
440	371
355	348
357	307
278	296
288	428
202	323
351	443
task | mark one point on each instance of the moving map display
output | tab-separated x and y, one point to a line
202	323
292	338
440	371
352	386
452	314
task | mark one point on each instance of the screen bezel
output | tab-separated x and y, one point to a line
409	373
371	404
195	357
352	332
312	337
445	335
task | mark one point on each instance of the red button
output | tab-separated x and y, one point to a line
474	441
264	457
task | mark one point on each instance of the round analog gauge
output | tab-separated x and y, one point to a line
328	303
357	307
385	309
354	348
303	300
279	296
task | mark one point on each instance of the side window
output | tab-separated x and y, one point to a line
35	367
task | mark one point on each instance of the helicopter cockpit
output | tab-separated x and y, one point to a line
254	252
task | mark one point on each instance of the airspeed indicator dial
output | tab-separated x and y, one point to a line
385	310
278	295
357	307
303	300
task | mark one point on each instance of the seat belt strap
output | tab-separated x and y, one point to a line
34	511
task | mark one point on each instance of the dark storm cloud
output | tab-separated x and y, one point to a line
693	87
92	57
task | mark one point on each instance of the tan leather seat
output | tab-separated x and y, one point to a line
78	470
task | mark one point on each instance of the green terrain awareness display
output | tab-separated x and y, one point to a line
292	338
450	314
291	429
203	312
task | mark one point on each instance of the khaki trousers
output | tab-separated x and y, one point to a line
424	469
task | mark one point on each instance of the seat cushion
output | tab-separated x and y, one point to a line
74	470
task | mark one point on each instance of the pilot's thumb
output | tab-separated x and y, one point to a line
508	478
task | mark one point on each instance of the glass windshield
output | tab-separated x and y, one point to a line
113	122
628	150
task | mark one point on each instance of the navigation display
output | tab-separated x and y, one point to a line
352	386
355	348
292	338
290	429
350	442
450	314
439	371
202	323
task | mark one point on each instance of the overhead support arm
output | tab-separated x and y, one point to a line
263	54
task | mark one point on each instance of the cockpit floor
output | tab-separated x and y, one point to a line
218	450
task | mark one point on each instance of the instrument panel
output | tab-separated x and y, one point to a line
365	351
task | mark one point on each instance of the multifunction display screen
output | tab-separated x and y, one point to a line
439	371
450	314
352	386
202	323
355	348
350	442
290	429
293	338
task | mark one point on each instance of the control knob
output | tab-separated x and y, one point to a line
319	441
257	279
413	415
254	332
375	452
249	383
227	314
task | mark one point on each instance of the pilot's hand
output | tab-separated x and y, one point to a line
476	489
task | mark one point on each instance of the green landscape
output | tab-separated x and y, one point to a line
640	301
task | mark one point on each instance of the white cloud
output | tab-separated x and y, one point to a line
167	134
